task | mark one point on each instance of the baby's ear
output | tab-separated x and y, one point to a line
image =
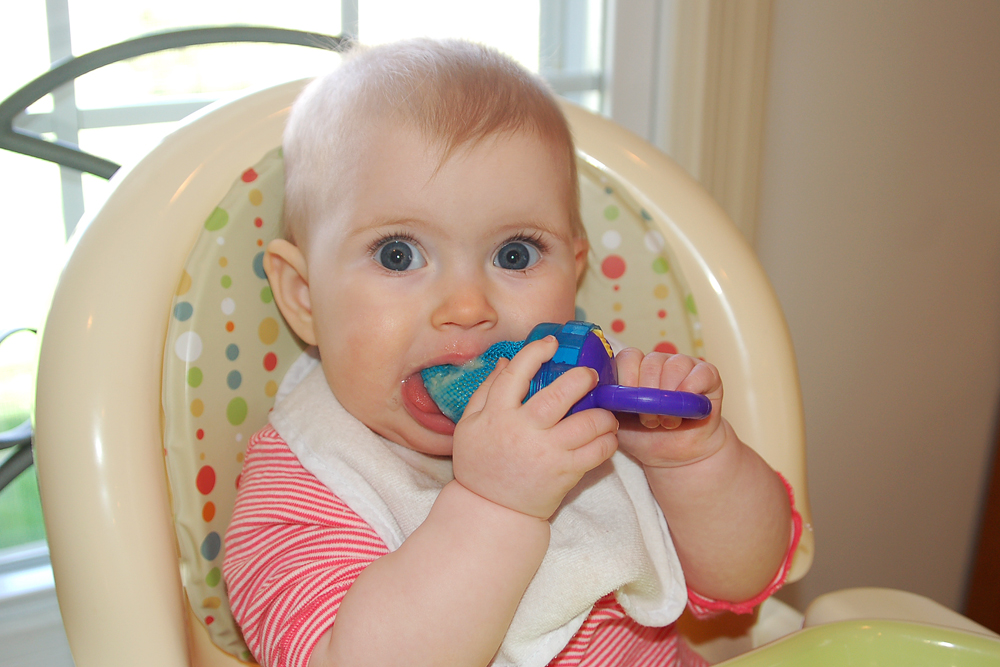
581	248
285	266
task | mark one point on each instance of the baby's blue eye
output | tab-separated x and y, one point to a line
517	256
399	255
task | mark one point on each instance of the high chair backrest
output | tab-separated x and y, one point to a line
137	553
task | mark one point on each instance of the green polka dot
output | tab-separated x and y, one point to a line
689	304
611	212
227	282
194	376
236	411
246	656
661	265
266	295
217	220
645	215
213	577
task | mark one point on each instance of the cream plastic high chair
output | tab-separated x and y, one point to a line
163	351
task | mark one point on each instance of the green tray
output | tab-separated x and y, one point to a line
875	643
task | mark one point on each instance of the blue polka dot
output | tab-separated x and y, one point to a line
211	546
258	266
183	311
232	351
234	379
580	314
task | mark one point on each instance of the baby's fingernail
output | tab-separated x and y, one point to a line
670	422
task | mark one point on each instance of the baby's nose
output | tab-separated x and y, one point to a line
463	302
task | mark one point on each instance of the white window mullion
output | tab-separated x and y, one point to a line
66	124
631	84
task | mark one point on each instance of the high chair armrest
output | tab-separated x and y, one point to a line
890	604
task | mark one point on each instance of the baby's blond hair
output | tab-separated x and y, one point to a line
455	93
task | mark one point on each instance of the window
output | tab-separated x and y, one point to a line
122	110
119	112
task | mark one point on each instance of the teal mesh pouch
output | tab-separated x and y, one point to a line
451	387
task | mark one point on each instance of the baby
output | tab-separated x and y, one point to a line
431	211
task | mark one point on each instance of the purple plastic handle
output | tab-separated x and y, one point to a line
646	400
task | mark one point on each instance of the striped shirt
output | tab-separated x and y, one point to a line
293	549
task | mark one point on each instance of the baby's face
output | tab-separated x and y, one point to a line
426	264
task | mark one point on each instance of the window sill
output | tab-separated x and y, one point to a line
31	630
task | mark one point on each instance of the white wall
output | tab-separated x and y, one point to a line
880	227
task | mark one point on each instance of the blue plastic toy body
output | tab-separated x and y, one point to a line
580	344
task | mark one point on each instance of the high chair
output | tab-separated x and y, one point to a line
163	351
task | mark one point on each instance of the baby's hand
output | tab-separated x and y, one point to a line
664	441
525	456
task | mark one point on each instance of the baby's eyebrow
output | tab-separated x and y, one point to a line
387	224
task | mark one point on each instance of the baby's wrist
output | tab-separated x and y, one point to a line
496	508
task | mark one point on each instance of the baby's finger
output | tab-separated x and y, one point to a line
595	434
627	364
664	371
550	404
513	381
703	378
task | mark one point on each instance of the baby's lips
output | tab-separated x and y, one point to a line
416	393
422	408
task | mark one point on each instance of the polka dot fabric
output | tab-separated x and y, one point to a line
633	287
227	350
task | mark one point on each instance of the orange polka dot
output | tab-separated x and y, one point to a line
223	262
230	326
208	511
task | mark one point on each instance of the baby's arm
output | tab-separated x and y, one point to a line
448	594
728	511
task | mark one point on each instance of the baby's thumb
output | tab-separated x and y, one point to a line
478	399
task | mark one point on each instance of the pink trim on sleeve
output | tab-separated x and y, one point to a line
702	606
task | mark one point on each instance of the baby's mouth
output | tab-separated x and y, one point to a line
422	407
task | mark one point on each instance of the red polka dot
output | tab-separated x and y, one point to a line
270	361
617	287
249	176
209	620
205	481
618	326
257	222
200	433
613	267
669	348
238	478
661	314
